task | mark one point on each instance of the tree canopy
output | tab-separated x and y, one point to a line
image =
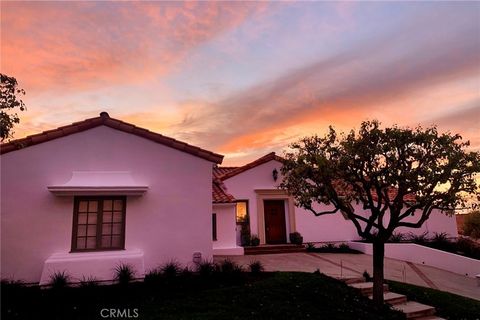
397	171
471	225
395	176
9	99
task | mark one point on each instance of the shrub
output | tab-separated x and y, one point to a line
420	238
88	282
171	269
186	272
441	241
124	273
396	237
344	246
59	279
468	247
367	276
256	267
317	271
229	266
245	235
206	268
471	225
329	246
10	284
296	238
254	240
153	276
310	246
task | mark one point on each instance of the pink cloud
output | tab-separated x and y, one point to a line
81	45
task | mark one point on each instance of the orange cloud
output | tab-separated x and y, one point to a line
80	45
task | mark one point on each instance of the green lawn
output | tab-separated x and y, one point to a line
448	305
266	296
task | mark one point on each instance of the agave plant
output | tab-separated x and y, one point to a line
59	279
124	273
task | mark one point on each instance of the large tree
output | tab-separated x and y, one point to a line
382	179
9	100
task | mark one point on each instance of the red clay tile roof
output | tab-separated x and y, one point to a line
219	193
220	171
223	173
105	120
248	166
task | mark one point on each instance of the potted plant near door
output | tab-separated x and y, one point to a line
254	240
296	238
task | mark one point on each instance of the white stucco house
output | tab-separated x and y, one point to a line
88	196
84	197
271	213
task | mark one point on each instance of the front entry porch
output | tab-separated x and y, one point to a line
275	216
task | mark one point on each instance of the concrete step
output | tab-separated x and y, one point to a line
272	249
415	310
393	298
366	288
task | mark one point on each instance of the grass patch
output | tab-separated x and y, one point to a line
448	305
261	296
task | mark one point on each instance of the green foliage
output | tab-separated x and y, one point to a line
441	241
296	238
245	235
471	225
9	99
171	269
447	305
343	246
419	238
371	165
394	172
229	266
11	285
310	246
396	237
331	248
186	272
88	282
254	240
263	296
206	268
59	280
153	276
256	267
468	247
124	273
367	276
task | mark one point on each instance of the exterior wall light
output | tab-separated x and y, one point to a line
275	174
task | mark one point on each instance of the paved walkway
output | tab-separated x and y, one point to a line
353	265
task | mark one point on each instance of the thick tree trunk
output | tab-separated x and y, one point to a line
378	254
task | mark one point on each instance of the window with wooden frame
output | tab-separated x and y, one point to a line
98	223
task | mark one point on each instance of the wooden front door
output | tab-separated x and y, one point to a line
275	228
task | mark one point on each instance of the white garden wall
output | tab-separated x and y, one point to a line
424	255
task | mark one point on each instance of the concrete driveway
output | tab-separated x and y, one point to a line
353	265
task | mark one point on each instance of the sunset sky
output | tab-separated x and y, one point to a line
245	78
